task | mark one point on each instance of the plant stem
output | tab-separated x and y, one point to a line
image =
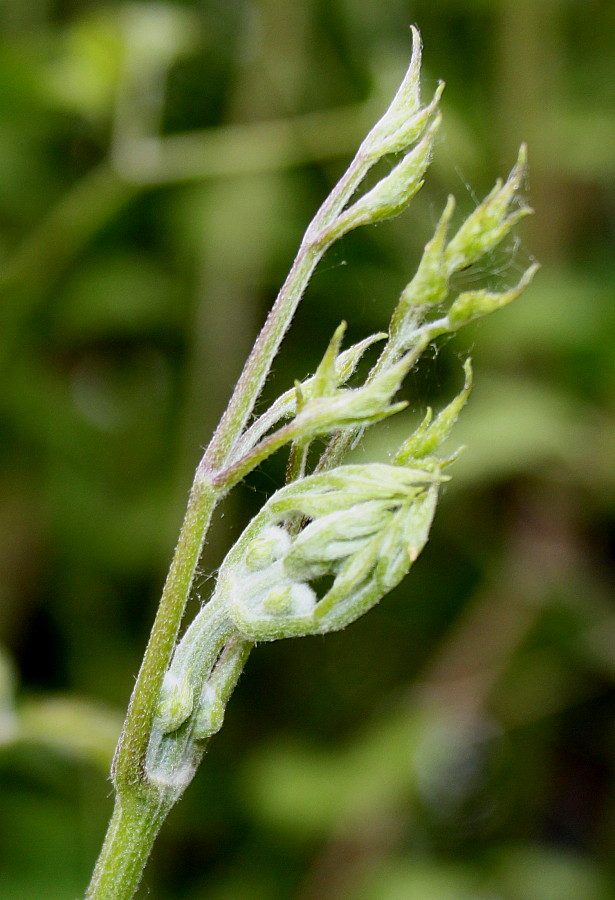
265	348
257	367
132	747
132	831
140	807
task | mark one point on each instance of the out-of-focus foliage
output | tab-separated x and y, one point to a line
158	162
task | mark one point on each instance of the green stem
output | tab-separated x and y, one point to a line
266	346
137	817
132	747
132	831
257	367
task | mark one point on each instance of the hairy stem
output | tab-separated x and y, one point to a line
264	351
210	485
130	755
132	831
264	589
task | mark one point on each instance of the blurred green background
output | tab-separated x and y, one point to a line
158	164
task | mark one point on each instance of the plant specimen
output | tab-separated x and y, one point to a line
337	537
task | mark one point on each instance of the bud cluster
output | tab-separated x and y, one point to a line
329	545
483	230
406	127
364	527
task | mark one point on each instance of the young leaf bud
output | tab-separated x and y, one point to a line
490	222
428	287
209	716
325	381
406	101
393	193
352	407
474	304
333	537
368	525
430	435
404	120
176	703
267	548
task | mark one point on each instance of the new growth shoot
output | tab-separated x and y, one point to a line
363	526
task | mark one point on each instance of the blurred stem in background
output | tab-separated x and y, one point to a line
525	106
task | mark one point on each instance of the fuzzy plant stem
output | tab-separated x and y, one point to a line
214	478
366	526
132	830
140	809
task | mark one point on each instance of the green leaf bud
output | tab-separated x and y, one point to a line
357	514
209	717
405	119
176	703
294	599
267	548
352	407
393	193
367	575
474	304
344	488
278	601
334	536
269	607
286	405
405	537
407	99
428	287
408	132
324	381
490	222
431	434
